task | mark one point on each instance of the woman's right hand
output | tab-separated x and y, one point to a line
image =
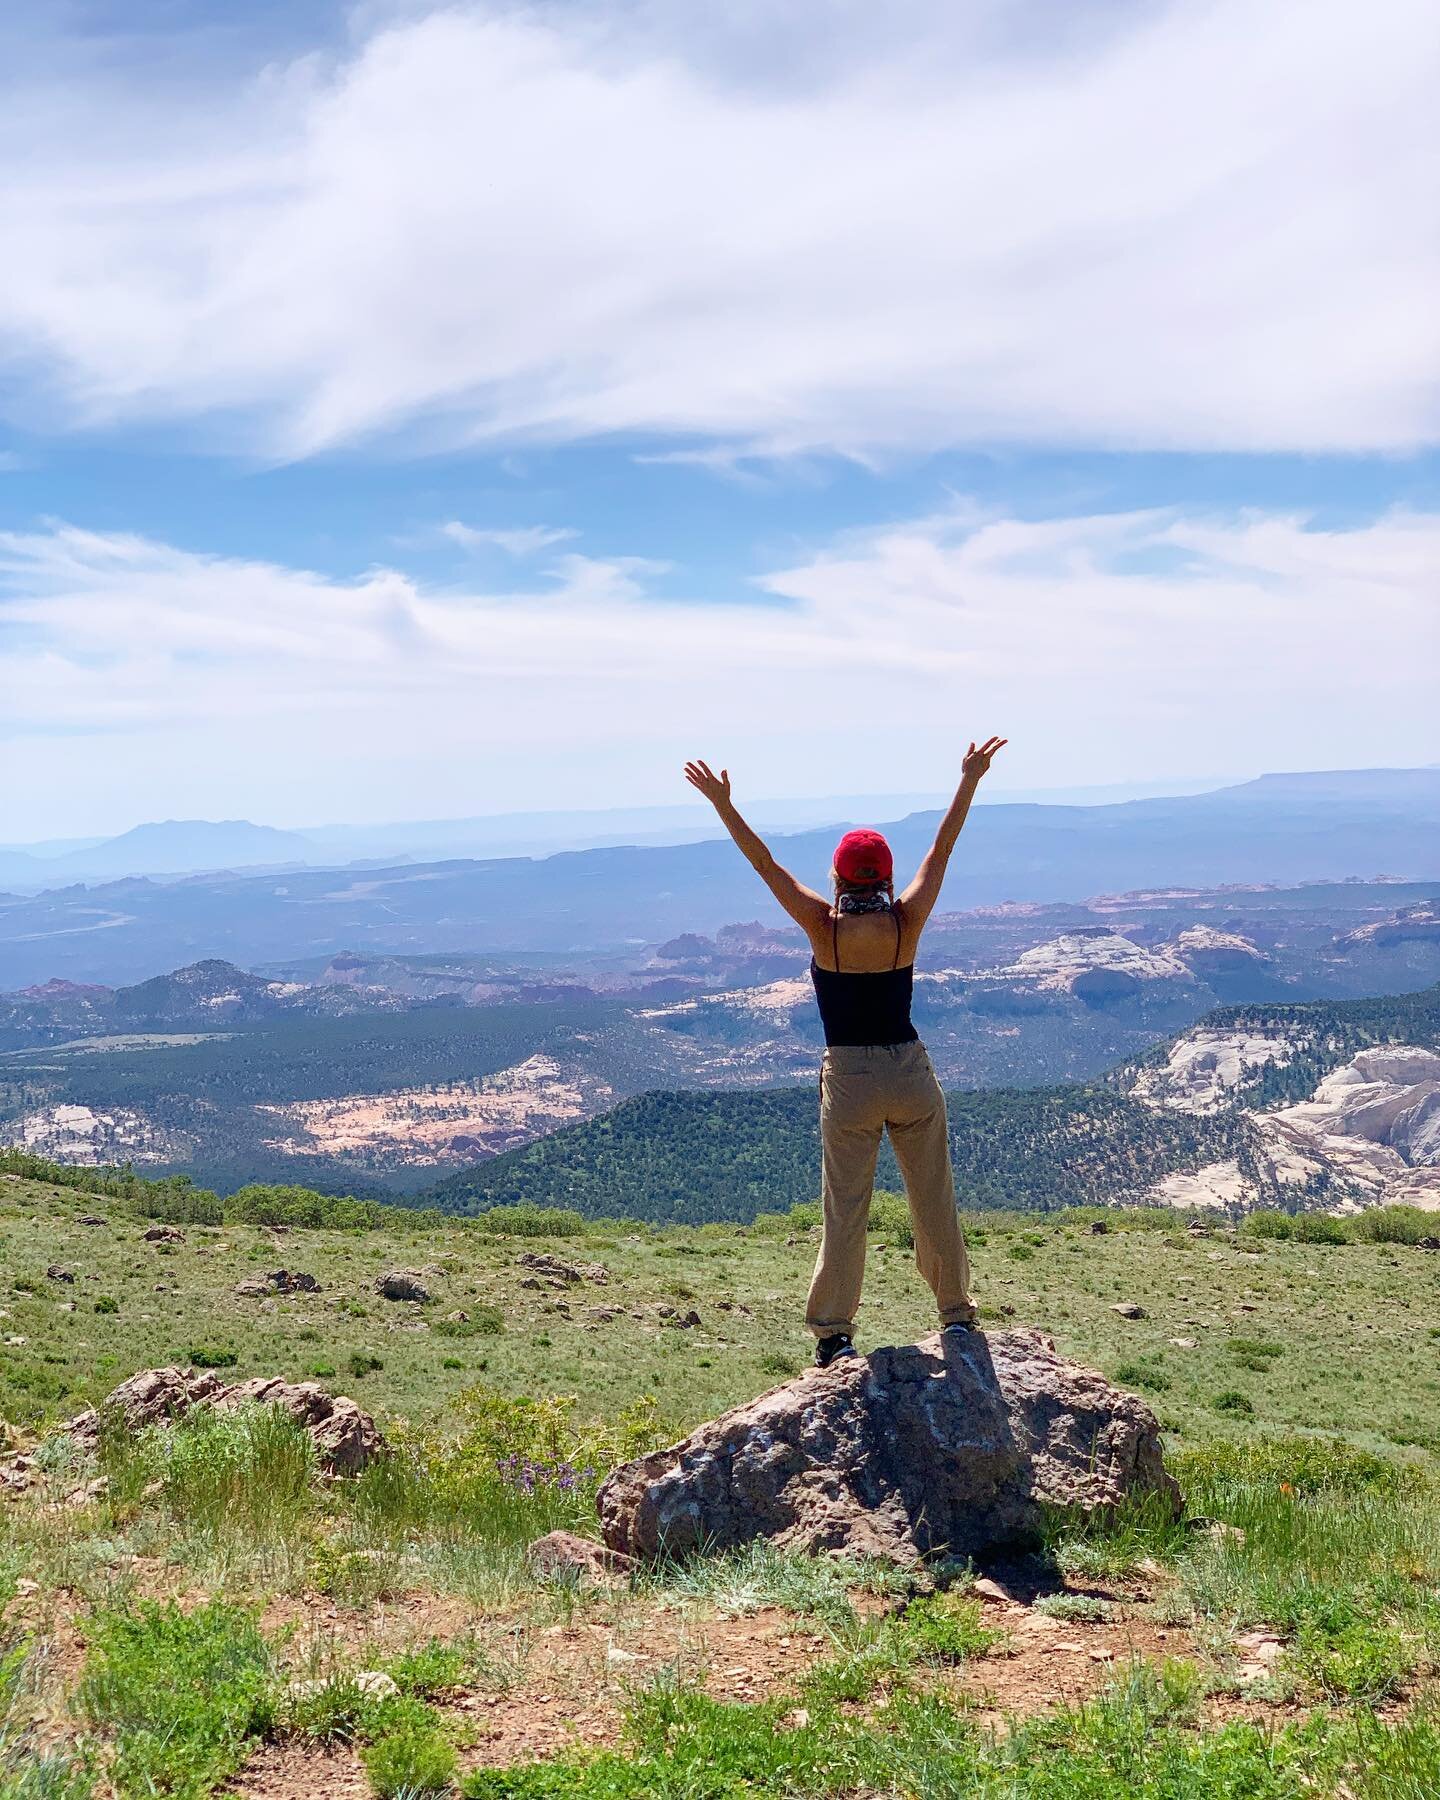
715	788
977	762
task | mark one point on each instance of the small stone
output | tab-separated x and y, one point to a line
1127	1309
618	1658
1182	1343
992	1590
377	1684
56	1273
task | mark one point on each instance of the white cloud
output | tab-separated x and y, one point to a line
517	541
146	681
1203	224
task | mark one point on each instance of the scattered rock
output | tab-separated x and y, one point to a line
401	1284
949	1446
278	1281
56	1273
1127	1309
345	1438
1182	1343
1427	1243
163	1234
602	1315
91	1219
989	1589
1098	1227
670	1315
563	1553
1263	1647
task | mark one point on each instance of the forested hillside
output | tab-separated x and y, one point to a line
696	1156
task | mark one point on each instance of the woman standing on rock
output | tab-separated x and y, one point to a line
876	1075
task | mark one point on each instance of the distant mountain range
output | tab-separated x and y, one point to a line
1277	829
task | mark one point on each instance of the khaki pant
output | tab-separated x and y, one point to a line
865	1089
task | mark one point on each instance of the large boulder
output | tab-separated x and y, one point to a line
949	1447
345	1438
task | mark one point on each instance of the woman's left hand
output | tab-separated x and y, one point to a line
715	788
978	761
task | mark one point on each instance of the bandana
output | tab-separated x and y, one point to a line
879	901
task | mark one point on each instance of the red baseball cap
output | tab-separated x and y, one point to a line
863	856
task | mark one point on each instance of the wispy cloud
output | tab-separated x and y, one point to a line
1101	645
518	541
1193	226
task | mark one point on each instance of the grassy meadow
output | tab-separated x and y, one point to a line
196	1612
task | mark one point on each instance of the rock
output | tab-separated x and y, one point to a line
602	1315
345	1438
377	1684
56	1273
278	1281
949	1446
1182	1343
685	1321
1098	1227
563	1553
163	1234
401	1284
91	1219
1427	1243
1127	1309
989	1589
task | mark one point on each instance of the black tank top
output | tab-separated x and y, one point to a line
865	1009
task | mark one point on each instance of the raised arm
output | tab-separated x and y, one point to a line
804	905
918	900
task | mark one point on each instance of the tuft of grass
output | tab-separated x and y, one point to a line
413	1764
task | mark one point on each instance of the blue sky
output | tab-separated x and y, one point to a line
408	411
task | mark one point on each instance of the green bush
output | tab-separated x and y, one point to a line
528	1221
107	1303
415	1764
1394	1225
944	1628
1231	1400
1143	1375
483	1321
362	1363
184	1694
1320	1228
1309	1465
204	1358
1266	1222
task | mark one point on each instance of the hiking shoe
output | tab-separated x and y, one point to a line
957	1328
829	1349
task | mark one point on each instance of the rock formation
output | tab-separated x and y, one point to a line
345	1438
947	1447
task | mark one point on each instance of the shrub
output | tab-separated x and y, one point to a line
1144	1375
1320	1228
1266	1222
531	1221
415	1763
107	1303
1255	1353
204	1358
362	1363
1394	1225
322	1371
944	1628
1309	1465
1231	1400
434	1668
484	1321
182	1693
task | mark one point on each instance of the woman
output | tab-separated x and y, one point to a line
875	1074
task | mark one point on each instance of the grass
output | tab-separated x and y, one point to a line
226	1596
